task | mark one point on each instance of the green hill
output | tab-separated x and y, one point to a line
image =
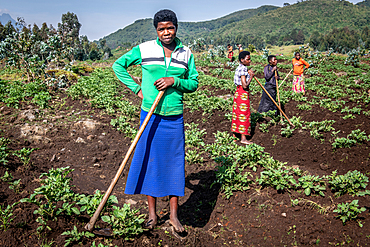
143	29
307	17
292	24
365	3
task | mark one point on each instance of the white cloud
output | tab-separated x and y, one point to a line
4	11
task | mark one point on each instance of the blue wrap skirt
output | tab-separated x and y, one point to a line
158	166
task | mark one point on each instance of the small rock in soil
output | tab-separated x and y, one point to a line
28	114
130	201
97	165
80	140
87	125
283	214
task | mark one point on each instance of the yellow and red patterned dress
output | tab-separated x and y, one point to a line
241	106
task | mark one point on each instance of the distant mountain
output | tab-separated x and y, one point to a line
143	29
5	18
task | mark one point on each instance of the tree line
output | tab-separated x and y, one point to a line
341	40
68	31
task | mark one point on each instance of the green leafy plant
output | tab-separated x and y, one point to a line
41	99
349	211
24	155
193	156
7	177
280	179
123	124
15	185
287	131
232	177
264	127
356	136
316	128
351	182
55	187
312	184
125	222
6	215
89	203
4	151
76	236
100	245
194	136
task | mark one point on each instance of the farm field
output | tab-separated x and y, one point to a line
296	186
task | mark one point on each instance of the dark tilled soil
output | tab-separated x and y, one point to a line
258	217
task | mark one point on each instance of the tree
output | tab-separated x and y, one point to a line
2	35
299	39
44	31
8	29
36	32
69	29
286	4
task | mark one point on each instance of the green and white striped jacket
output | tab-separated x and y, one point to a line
150	55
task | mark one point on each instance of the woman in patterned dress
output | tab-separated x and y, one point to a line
241	107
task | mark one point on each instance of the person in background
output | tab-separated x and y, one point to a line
266	103
230	52
298	69
158	165
241	106
240	48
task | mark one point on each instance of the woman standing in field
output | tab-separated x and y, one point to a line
158	166
241	107
266	103
298	69
230	52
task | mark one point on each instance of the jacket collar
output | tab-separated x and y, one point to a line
177	40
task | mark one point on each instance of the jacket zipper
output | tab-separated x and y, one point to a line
165	64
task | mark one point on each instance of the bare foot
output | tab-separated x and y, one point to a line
176	225
151	223
246	142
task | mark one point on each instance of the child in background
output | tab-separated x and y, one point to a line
241	106
298	69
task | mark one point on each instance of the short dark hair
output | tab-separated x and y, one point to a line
270	57
165	15
243	54
297	52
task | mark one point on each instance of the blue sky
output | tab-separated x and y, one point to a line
100	18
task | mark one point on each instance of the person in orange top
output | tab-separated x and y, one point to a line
298	69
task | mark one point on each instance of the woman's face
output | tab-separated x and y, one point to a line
273	61
246	61
166	32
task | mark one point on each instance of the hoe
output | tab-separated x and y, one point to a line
107	232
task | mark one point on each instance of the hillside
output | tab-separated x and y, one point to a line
365	3
292	24
143	29
308	16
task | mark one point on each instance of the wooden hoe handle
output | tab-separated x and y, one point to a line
90	226
277	90
273	101
286	77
